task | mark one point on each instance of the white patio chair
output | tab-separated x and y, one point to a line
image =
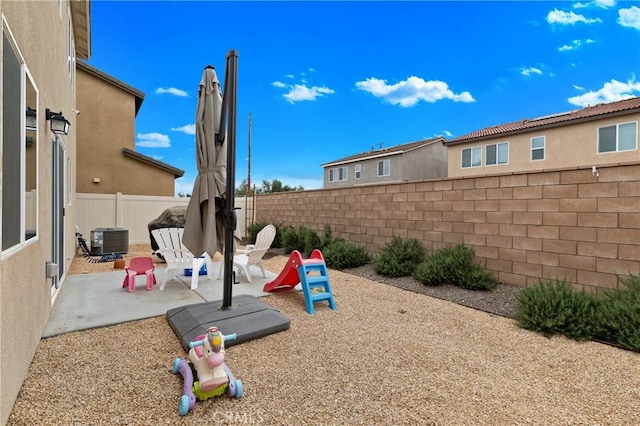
252	254
177	256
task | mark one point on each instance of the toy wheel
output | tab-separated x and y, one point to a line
176	365
183	405
239	389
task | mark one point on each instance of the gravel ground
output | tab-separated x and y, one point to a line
385	356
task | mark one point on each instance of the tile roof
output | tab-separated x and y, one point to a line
595	112
374	153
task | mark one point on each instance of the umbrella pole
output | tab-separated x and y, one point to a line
230	93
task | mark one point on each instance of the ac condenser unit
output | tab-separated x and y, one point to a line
109	241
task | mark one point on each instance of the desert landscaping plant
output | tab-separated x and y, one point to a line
340	254
619	314
256	227
454	265
554	307
399	257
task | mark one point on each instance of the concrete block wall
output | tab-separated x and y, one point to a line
570	224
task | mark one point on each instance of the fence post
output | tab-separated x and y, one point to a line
119	210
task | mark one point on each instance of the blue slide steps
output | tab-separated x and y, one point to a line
313	275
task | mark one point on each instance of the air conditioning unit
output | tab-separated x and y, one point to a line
109	241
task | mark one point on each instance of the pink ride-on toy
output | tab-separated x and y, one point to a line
204	372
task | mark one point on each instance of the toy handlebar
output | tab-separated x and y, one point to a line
225	337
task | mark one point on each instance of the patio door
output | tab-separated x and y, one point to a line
57	212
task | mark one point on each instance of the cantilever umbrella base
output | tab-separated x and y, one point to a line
249	318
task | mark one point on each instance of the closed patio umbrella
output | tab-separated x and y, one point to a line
203	228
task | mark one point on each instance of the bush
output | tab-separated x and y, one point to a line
553	307
256	227
339	254
475	277
294	240
446	265
399	257
619	314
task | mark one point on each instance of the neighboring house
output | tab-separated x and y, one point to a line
40	43
106	140
592	136
426	159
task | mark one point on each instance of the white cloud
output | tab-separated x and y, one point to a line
300	92
153	140
312	69
278	84
612	91
575	44
409	92
629	17
172	91
157	157
447	133
568	18
530	70
187	129
290	76
604	4
575	86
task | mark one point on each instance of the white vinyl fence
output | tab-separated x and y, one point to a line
134	212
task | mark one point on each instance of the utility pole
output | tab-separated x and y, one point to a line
248	188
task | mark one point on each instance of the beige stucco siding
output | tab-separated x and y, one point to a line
573	145
25	293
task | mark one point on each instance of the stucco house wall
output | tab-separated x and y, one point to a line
39	30
568	144
406	162
106	129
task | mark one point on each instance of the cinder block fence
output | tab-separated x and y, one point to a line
575	224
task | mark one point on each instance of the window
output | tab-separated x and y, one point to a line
384	168
537	148
472	157
357	171
19	147
71	49
338	174
619	137
497	154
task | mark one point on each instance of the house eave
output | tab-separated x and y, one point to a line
81	18
152	162
358	160
139	96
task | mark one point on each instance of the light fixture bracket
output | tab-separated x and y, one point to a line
59	124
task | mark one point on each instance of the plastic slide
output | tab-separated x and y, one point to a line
288	277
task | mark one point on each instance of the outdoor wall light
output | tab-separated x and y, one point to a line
59	124
31	119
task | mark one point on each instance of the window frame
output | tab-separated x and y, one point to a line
617	141
357	171
472	149
543	148
26	81
335	172
497	146
386	168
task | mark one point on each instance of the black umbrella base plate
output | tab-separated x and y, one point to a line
248	317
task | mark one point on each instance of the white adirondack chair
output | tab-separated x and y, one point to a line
252	254
177	256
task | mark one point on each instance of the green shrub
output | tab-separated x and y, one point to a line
553	307
254	228
475	277
399	257
293	240
447	265
311	242
340	254
619	314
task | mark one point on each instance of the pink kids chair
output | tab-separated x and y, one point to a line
139	266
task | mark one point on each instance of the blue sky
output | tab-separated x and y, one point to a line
325	80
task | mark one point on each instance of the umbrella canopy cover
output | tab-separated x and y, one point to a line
203	228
